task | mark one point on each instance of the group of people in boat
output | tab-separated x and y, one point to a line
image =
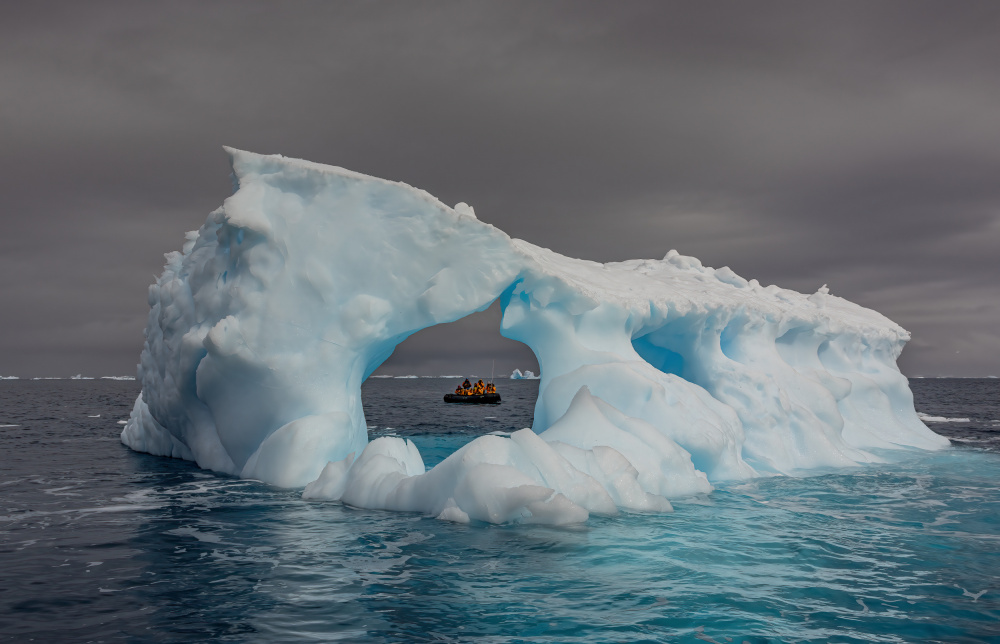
468	389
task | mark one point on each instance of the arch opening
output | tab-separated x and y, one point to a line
468	346
413	379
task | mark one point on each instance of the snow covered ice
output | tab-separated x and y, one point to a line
658	377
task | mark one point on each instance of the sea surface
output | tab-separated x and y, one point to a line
102	544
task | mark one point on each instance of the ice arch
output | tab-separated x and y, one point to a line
658	377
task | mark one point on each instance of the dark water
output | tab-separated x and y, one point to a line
977	400
98	543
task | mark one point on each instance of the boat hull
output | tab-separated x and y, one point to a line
483	399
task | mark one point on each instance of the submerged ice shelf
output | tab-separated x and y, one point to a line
658	377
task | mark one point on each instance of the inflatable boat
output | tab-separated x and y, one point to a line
481	399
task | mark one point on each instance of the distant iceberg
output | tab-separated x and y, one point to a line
527	375
658	377
941	419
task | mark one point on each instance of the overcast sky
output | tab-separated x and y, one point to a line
799	143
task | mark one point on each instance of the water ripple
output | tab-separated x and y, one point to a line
101	543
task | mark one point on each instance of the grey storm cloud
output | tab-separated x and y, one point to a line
853	143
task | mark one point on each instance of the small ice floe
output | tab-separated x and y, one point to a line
94	416
975	596
123	422
941	419
2	426
943	519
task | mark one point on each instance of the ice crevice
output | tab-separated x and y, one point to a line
658	377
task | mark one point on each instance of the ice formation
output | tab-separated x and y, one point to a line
658	377
527	375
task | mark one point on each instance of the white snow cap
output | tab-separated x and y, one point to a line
658	378
819	298
463	208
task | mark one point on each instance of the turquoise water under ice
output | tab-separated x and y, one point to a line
98	543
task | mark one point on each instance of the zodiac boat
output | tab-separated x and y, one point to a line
481	399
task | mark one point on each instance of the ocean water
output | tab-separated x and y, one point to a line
101	544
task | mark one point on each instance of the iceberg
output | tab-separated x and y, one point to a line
659	378
527	375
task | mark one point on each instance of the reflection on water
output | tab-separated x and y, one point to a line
100	543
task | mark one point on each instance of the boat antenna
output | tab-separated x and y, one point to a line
492	369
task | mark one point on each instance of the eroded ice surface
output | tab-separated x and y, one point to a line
659	377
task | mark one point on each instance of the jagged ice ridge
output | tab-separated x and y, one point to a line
658	377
